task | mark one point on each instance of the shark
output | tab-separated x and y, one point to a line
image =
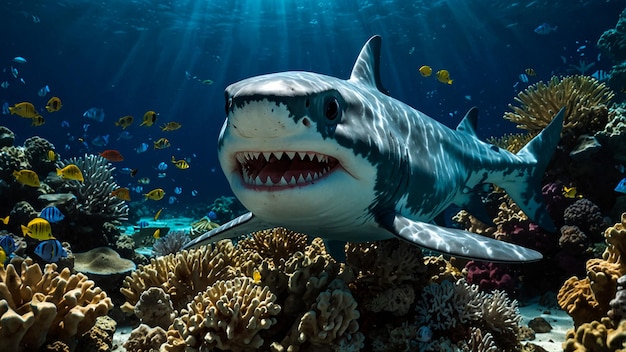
343	160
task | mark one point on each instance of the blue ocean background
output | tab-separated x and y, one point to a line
129	57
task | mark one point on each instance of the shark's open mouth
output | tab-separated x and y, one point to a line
284	169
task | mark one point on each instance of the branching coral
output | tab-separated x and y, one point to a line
540	102
181	275
513	142
37	306
229	315
94	194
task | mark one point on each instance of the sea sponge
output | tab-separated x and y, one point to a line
145	339
539	103
229	315
44	306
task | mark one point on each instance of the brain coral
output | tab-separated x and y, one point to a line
37	307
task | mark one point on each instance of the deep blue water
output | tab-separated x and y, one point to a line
131	56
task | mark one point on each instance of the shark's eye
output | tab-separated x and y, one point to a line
331	108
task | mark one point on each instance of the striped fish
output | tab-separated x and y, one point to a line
50	250
38	229
52	214
8	244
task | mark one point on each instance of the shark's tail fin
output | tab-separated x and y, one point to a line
537	153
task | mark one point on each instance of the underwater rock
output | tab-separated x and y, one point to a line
102	261
613	41
540	325
155	308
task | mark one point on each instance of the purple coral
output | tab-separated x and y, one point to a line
172	243
587	216
489	276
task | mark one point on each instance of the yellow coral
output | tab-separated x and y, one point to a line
588	299
37	306
513	142
540	102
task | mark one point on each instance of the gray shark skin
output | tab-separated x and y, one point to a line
343	160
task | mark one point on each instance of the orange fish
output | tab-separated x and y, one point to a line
121	193
112	155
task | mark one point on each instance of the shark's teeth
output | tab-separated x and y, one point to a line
283	168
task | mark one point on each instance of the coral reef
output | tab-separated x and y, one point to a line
38	306
229	315
94	207
588	299
173	242
613	134
489	276
155	308
145	339
540	102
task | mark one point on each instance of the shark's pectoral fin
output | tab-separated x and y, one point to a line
473	203
456	242
241	225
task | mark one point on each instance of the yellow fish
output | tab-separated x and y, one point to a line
124	121
149	118
156	216
38	229
571	192
162	143
27	177
3	257
443	76
157	234
426	71
71	172
171	126
181	164
5	220
531	72
155	194
256	277
24	109
38	120
52	156
54	104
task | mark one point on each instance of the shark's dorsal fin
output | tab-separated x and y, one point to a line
469	122
366	69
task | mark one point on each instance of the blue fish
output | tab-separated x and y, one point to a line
50	250
101	141
142	224
19	60
178	190
545	28
44	91
212	215
162	166
8	244
124	135
5	108
94	114
141	148
52	214
194	193
621	186
172	200
65	124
